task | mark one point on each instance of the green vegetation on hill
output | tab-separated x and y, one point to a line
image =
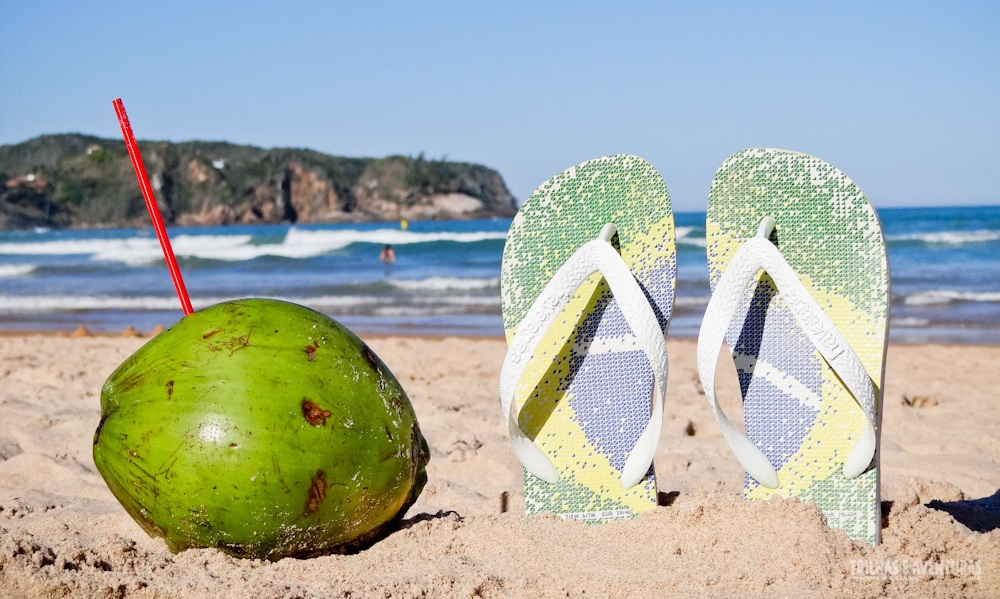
74	180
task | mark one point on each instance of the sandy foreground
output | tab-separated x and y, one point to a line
62	533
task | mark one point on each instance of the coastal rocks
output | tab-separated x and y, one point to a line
419	189
391	189
89	182
309	194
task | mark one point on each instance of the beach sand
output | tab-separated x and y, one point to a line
62	533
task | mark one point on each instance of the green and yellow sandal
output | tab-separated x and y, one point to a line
800	294
588	278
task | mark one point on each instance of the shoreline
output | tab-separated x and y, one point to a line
129	331
64	534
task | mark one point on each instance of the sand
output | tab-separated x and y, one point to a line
62	533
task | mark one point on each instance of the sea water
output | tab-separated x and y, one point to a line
944	263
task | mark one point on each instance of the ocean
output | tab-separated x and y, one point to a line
944	263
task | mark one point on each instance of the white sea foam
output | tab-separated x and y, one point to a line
445	284
75	247
947	296
34	304
435	310
347	304
144	250
683	235
15	270
412	306
910	322
688	301
298	243
950	237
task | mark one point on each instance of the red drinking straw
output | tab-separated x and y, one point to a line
154	210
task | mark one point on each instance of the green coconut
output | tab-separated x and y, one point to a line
262	428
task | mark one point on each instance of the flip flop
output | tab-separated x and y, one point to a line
800	293
587	280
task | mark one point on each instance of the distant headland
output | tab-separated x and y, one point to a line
82	181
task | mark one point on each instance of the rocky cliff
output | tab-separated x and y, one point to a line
76	180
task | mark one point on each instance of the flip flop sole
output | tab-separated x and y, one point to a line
796	409
585	396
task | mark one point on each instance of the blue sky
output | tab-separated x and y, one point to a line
903	96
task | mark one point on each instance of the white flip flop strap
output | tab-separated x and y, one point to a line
592	257
740	275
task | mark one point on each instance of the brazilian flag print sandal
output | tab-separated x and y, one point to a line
800	294
587	281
